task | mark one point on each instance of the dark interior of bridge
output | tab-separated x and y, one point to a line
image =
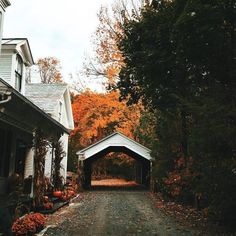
139	171
114	165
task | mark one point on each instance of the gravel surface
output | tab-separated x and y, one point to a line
113	213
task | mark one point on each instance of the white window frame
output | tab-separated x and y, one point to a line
60	111
19	73
1	23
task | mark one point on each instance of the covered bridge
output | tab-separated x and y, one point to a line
117	142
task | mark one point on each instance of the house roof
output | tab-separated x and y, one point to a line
33	106
45	96
19	44
5	3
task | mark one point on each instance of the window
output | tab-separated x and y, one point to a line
0	24
60	111
0	29
18	72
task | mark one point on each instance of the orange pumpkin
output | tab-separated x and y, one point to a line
57	193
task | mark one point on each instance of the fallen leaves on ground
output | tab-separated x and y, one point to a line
188	216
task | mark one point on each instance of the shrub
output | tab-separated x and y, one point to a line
29	224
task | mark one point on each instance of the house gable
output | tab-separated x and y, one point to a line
54	99
15	51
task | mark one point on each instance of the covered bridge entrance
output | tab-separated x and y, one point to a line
116	142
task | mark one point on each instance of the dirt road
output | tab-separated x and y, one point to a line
121	213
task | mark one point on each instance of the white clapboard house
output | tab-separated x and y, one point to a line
23	109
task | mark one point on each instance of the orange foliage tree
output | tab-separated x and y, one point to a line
108	33
109	59
49	70
98	114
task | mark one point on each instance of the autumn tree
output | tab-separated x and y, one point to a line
109	59
49	70
98	114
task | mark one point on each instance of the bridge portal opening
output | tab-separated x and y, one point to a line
138	170
116	156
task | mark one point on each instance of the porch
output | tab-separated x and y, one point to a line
19	119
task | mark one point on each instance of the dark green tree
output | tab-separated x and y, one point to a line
180	60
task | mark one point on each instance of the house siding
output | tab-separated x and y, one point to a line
64	119
6	67
64	140
29	164
48	164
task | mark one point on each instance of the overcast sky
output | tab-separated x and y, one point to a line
60	28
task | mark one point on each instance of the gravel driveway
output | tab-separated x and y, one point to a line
121	213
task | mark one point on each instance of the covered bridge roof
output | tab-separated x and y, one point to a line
116	139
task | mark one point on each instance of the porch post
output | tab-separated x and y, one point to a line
33	165
80	171
150	173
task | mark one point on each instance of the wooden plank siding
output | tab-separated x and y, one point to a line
6	67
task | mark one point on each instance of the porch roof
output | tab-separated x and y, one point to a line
40	115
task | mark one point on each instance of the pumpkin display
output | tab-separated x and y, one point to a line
67	194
